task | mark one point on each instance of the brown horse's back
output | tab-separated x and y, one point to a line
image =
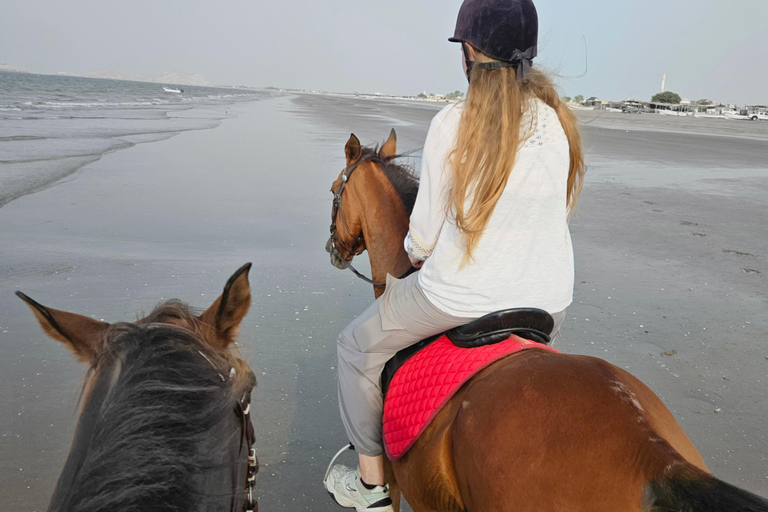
543	431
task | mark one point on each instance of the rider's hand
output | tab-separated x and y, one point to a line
417	263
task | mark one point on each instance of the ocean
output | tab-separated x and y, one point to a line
52	126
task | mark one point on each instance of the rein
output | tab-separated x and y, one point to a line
337	212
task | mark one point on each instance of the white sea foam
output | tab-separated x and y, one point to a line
68	122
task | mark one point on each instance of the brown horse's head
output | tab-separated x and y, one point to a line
216	326
373	198
348	215
163	412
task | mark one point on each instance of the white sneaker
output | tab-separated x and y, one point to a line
346	488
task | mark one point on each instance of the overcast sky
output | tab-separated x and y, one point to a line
712	49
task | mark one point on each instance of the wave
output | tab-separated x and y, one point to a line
134	103
21	137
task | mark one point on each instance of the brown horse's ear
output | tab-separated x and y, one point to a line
226	313
82	335
389	149
353	150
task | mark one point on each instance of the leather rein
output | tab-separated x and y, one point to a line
338	212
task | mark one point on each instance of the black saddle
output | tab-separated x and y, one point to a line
529	323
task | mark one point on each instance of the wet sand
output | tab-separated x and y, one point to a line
671	247
738	128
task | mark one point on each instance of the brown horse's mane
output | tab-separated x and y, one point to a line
159	394
402	177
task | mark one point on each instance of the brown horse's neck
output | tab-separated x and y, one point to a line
385	224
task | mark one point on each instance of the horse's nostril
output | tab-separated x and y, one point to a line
328	245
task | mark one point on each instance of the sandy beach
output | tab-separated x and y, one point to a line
671	245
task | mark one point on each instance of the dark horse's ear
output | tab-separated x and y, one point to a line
353	150
226	313
82	335
389	149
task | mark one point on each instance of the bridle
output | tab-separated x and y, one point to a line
247	436
338	212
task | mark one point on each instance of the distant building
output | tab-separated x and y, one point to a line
599	104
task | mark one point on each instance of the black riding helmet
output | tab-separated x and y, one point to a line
505	30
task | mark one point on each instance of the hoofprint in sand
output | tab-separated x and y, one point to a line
670	256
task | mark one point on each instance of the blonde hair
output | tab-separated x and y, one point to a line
489	138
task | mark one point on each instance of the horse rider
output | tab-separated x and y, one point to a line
501	173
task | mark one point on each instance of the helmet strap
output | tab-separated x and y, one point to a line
521	61
487	66
470	63
490	66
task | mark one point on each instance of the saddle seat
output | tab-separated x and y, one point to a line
528	323
420	379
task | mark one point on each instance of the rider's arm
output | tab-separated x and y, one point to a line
429	211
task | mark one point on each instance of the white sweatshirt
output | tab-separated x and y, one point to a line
525	256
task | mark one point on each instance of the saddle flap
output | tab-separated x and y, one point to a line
529	323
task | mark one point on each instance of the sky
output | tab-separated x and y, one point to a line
714	49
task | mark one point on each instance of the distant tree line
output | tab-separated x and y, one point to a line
451	96
662	97
577	99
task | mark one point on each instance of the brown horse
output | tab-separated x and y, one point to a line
165	422
536	431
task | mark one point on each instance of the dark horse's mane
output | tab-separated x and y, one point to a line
158	393
402	178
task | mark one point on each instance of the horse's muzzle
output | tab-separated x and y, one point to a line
336	260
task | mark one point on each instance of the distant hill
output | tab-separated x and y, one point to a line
176	77
11	69
109	74
169	77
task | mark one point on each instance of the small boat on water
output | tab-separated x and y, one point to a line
172	89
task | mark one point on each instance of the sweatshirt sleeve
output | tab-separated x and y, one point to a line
429	211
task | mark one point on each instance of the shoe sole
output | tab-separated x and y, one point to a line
336	501
388	508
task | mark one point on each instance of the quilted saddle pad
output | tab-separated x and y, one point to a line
424	383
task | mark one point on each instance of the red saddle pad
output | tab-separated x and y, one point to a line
429	379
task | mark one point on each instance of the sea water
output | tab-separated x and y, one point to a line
52	126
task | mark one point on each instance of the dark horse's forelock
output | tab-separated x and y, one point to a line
405	183
159	393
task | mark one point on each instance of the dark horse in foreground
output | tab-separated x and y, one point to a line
165	424
535	431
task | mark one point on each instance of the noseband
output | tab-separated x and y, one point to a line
338	212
